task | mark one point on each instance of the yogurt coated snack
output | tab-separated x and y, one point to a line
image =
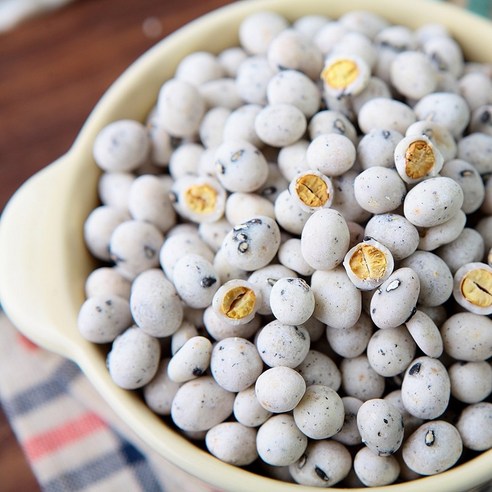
295	251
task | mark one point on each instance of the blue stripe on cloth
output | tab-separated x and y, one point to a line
481	7
126	458
55	385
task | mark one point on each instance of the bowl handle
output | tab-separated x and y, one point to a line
37	257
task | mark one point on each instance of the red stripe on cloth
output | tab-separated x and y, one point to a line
26	343
58	437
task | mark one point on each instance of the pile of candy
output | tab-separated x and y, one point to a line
297	248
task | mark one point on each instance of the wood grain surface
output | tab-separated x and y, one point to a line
53	69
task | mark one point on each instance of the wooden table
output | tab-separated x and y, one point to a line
53	69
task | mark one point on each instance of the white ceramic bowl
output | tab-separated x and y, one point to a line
44	263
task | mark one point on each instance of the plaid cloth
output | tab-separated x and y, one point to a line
70	436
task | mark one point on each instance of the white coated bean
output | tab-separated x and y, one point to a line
232	443
381	426
360	380
473	426
320	413
247	409
471	382
426	388
338	302
133	359
279	389
325	463
280	344
279	441
425	334
191	360
107	281
349	434
432	448
159	392
292	300
235	363
373	470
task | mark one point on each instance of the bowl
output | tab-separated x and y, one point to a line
44	262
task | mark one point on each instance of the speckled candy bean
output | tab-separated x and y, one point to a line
134	247
417	158
195	280
293	87
282	345
289	214
240	166
467	337
385	113
264	279
289	49
473	287
426	388
155	305
291	159
325	239
280	124
397	233
379	189
121	146
438	134
324	463
224	268
243	206
211	129
471	382
159	392
447	109
102	318
99	226
279	389
377	147
219	328
221	92
236	301
395	300
349	434
247	409
390	351
279	442
291	300
191	360
289	255
351	341
185	331
114	187
180	108
436	280
360	380
252	244
373	470
185	159
232	443
201	404
468	177
481	120
107	280
275	183
381	426
338	302
320	413
474	426
257	30
331	154
433	237
235	363
425	334
410	422
199	67
213	233
368	264
344	200
252	79
432	448
133	359
148	201
330	121
179	245
240	124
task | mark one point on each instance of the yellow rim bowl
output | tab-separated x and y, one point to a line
44	263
